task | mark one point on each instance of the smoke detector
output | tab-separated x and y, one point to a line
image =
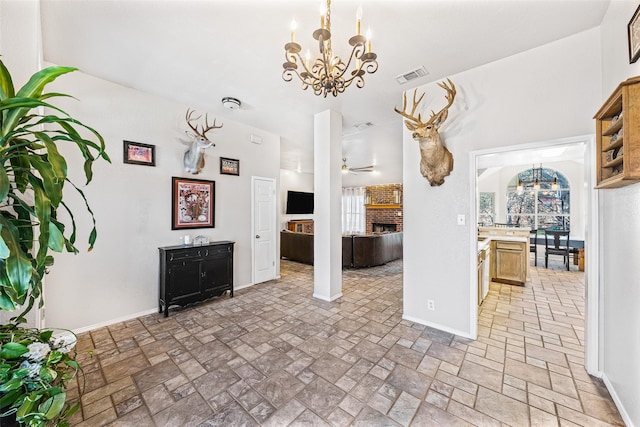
231	103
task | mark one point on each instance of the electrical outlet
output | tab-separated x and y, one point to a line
461	219
431	304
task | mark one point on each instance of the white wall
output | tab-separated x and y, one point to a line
20	38
620	243
543	94
573	171
132	203
19	42
294	181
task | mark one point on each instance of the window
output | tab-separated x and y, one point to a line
543	208
353	211
487	208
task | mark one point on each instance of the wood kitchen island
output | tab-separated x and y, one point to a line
509	248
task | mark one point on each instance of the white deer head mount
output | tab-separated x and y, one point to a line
194	156
436	161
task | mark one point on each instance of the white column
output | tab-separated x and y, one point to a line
327	215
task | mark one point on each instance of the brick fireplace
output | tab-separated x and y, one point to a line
384	207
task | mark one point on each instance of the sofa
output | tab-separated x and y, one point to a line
357	250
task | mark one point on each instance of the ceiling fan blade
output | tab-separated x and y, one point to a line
363	169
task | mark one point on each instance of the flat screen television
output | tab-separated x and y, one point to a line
299	202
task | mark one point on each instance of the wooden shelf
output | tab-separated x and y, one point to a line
613	127
619	118
614	162
616	144
385	206
300	226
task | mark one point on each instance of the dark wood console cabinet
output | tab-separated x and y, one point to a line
191	274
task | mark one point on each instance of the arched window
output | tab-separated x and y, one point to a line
542	206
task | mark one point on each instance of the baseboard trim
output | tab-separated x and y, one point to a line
438	326
114	321
323	298
616	399
248	285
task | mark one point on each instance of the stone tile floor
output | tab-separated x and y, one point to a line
274	356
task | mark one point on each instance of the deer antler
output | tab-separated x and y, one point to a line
411	116
441	116
189	119
206	128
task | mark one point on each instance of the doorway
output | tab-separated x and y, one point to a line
541	152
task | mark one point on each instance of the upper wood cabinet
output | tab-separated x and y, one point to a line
618	137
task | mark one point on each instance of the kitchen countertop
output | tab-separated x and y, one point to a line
485	241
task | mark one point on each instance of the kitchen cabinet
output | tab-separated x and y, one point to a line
509	253
484	259
510	261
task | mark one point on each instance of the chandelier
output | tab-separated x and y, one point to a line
536	178
329	73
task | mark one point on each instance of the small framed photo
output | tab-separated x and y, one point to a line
229	166
633	30
137	153
192	203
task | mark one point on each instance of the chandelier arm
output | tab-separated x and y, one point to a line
287	76
354	54
371	67
302	62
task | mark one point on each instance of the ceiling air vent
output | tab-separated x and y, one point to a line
411	75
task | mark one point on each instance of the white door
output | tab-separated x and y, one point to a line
264	229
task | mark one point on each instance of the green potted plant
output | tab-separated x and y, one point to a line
35	365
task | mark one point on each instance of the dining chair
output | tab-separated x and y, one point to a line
533	245
556	243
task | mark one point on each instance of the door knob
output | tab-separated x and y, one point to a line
257	236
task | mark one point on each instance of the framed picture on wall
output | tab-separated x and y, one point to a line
229	166
192	203
137	153
633	30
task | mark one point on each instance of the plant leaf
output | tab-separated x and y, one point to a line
56	238
5	82
52	406
4	249
45	335
28	404
12	384
32	89
8	399
58	163
12	350
18	266
4	184
5	302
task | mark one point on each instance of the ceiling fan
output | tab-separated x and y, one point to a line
346	169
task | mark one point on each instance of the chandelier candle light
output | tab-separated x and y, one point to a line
329	73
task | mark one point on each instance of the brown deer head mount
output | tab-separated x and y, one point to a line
436	161
194	156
